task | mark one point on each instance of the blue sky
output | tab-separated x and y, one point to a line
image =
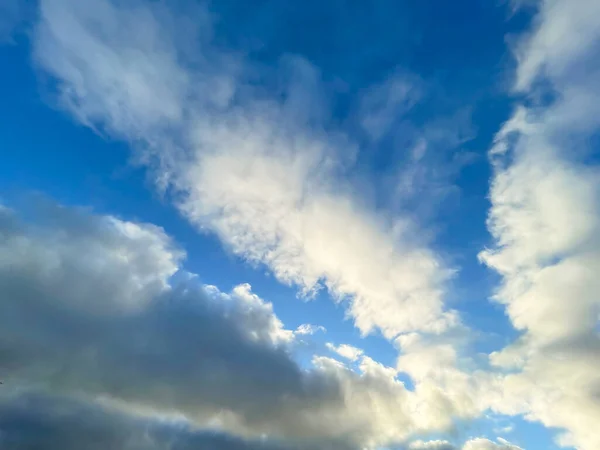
298	225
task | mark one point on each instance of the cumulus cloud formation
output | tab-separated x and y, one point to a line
346	351
97	309
38	421
308	329
486	444
261	173
545	219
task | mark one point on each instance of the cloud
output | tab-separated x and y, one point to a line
473	444
125	264
545	220
425	181
346	351
431	445
563	34
486	444
505	429
184	348
268	174
423	157
264	174
32	420
308	329
99	309
131	65
382	105
36	421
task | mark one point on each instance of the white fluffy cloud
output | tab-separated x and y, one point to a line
545	219
486	444
431	445
346	351
260	173
559	44
308	329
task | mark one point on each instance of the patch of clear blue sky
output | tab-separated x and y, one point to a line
457	48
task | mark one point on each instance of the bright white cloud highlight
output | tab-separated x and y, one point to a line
346	351
486	444
309	329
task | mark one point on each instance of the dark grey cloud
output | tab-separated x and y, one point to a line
96	307
36	422
85	307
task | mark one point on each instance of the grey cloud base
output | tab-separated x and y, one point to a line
97	315
39	422
86	309
99	309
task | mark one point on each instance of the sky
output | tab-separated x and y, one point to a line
276	225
